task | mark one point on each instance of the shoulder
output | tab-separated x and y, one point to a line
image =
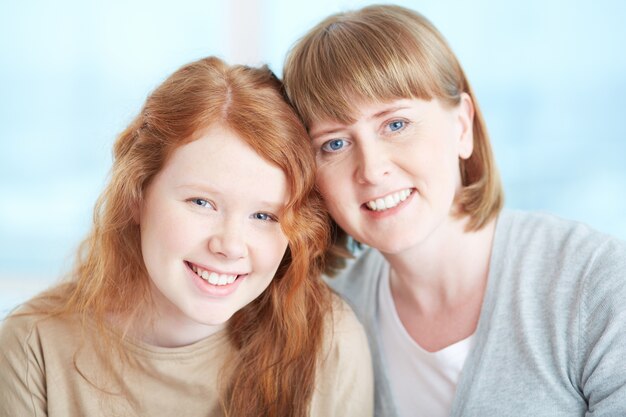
344	332
588	266
22	366
345	341
345	382
604	285
24	358
549	240
19	326
548	229
15	333
30	330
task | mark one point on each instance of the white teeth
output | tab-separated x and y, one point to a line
389	201
213	277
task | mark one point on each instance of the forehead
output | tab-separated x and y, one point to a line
365	111
221	160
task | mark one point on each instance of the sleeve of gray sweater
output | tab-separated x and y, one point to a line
551	339
601	344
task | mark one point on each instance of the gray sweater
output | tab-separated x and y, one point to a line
551	338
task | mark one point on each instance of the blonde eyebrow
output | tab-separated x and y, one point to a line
325	132
377	115
386	112
201	188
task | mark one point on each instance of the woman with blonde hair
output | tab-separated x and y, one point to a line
471	310
198	290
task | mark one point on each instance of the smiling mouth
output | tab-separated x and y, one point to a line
389	201
213	277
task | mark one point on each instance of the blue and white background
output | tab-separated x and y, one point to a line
550	77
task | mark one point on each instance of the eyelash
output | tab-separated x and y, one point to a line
196	201
326	144
405	123
269	217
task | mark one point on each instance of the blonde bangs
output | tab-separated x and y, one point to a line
355	49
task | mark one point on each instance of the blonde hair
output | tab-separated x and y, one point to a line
277	336
381	53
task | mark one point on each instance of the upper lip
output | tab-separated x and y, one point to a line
212	269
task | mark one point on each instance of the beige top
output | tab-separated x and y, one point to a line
38	376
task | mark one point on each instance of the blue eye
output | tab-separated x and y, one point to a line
264	217
396	125
201	202
334	145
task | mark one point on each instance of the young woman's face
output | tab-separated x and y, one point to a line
390	178
210	232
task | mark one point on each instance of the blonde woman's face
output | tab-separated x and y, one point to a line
210	234
390	178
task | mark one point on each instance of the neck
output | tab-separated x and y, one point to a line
447	269
170	333
163	325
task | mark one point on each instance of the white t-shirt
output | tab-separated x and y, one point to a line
422	383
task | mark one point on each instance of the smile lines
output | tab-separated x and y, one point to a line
389	201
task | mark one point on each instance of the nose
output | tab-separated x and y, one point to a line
228	240
373	163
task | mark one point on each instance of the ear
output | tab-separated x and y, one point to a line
466	118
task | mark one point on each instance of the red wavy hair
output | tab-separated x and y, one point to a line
279	335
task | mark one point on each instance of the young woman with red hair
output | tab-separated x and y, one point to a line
198	290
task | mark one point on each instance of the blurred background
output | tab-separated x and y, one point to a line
550	78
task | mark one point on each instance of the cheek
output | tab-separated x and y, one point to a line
331	186
166	235
281	248
268	249
338	193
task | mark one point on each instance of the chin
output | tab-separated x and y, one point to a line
394	249
392	246
213	319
